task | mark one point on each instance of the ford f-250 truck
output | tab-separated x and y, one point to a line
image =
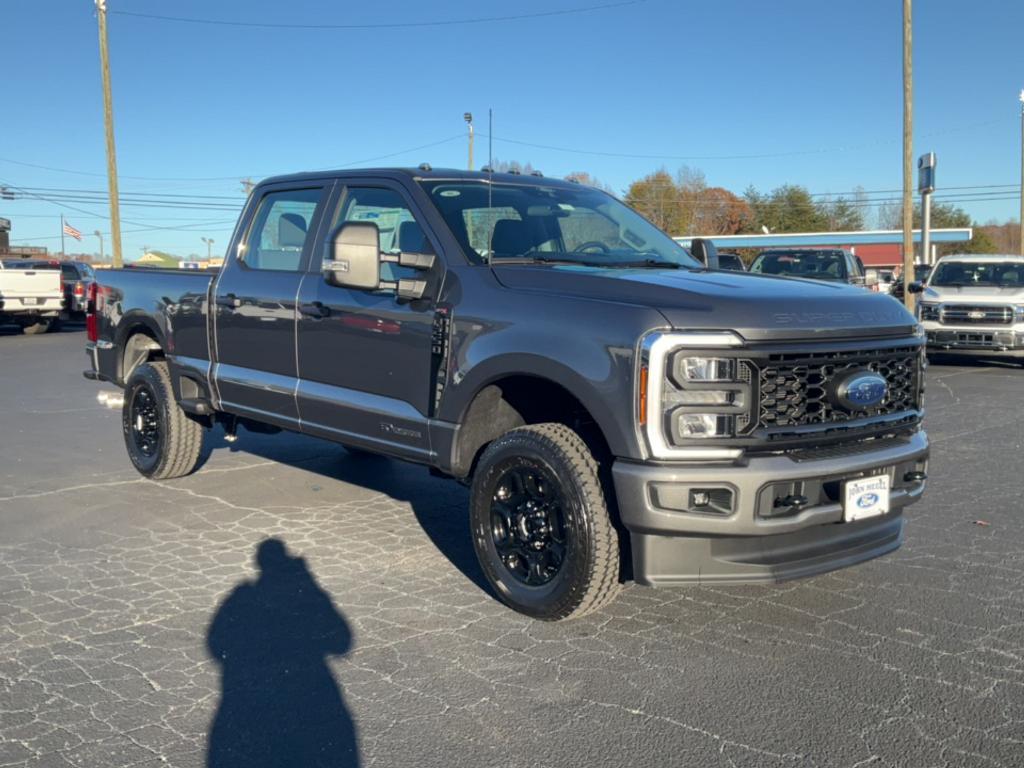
618	409
974	306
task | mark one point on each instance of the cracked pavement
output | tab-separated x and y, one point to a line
136	628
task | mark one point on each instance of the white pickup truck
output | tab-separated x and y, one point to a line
32	298
974	305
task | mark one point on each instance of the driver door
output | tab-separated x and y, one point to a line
365	359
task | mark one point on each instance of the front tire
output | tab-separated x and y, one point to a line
540	524
162	441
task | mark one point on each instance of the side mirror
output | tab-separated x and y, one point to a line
355	257
916	287
705	252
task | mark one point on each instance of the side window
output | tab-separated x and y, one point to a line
399	230
279	230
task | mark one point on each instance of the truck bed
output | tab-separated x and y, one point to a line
168	304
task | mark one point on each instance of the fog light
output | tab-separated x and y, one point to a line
700	499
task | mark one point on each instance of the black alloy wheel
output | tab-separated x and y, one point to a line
527	523
145	421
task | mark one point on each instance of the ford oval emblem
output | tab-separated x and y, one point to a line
867	500
862	390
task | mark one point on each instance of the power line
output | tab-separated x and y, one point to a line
386	24
237	176
753	156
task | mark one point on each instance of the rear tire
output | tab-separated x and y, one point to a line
163	442
540	524
41	325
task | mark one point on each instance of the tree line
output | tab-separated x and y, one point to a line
685	204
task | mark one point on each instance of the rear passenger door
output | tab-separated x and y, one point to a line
255	304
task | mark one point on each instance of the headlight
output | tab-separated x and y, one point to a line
690	394
1018	313
929	311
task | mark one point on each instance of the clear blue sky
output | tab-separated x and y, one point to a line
667	78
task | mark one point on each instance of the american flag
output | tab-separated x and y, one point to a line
71	231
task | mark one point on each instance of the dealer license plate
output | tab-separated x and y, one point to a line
867	497
30	302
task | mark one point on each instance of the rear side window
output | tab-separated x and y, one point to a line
279	230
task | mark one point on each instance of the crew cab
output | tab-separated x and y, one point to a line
618	409
973	305
29	296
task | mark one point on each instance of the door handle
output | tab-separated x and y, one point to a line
228	300
314	309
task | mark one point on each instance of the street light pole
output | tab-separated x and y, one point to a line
100	236
908	165
209	247
108	119
1022	173
468	117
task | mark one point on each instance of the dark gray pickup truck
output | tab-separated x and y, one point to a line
619	410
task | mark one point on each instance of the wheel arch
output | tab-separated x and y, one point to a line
139	340
514	398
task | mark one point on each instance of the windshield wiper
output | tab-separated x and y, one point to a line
643	263
537	259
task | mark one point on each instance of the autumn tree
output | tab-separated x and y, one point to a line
657	197
717	211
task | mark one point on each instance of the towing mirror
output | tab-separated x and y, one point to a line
355	257
916	287
704	251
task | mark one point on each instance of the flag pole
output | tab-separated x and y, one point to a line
62	255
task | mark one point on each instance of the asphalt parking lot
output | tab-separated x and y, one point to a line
138	629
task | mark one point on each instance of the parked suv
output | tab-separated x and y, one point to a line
831	264
617	410
974	305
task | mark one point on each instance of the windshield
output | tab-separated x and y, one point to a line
819	265
534	222
1001	274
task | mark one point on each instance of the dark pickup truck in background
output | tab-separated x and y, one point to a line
618	410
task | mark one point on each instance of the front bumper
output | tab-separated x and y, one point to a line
752	541
985	340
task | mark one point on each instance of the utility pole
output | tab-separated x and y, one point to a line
248	185
100	236
1022	173
108	119
908	165
468	117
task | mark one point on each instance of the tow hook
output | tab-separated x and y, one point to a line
112	400
916	476
794	501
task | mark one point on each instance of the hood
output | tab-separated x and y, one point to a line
758	307
975	294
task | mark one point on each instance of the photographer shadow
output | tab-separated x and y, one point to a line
280	704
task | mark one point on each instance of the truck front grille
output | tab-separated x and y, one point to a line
797	389
966	314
